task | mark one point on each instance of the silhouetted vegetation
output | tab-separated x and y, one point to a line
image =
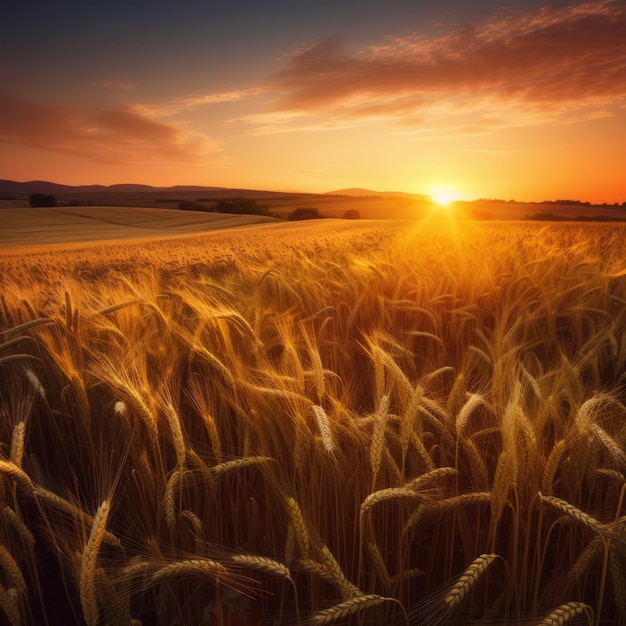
304	213
42	200
567	202
550	217
351	214
190	205
241	206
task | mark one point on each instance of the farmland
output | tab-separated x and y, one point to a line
366	422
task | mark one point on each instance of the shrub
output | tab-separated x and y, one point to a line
241	206
42	200
305	213
351	214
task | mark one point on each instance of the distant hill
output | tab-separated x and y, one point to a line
358	192
23	190
44	186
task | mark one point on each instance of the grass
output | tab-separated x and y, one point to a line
354	423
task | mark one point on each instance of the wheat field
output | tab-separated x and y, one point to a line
363	423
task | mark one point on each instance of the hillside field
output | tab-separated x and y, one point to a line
355	422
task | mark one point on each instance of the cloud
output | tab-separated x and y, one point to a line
554	64
191	102
117	135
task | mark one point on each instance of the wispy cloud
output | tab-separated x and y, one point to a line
554	64
115	135
191	102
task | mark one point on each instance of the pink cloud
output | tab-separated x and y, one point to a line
117	135
556	63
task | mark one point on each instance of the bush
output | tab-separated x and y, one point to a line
190	205
305	213
241	206
351	214
42	200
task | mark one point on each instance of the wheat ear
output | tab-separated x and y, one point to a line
324	428
551	466
345	609
17	443
9	605
378	438
468	579
570	510
382	495
229	466
73	511
21	477
22	530
329	562
189	566
263	564
12	570
565	613
178	439
474	401
618	579
299	525
88	599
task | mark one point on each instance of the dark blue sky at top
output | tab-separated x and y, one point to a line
44	39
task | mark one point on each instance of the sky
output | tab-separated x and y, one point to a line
520	100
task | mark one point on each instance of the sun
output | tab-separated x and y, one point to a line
444	196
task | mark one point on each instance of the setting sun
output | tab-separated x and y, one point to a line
444	196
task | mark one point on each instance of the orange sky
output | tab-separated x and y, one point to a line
527	102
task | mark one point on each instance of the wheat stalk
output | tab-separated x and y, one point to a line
378	437
34	381
73	511
330	564
379	564
617	576
460	501
300	527
12	570
468	579
177	434
229	466
571	511
472	403
88	600
383	495
503	480
9	605
17	443
565	613
263	564
194	520
211	568
551	466
11	469
324	428
22	530
345	609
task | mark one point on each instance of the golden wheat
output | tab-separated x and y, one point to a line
88	600
468	579
209	378
9	605
340	611
565	613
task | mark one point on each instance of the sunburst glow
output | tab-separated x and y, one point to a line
444	196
